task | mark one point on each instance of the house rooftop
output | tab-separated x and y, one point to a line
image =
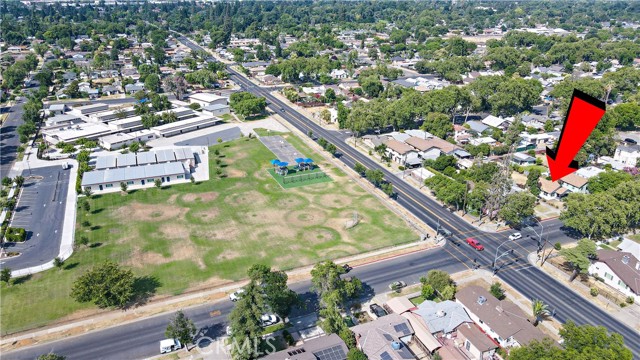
503	317
625	265
377	338
329	347
443	317
574	180
397	146
475	336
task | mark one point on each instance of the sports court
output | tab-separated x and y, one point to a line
281	148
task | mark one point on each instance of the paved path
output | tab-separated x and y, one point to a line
9	139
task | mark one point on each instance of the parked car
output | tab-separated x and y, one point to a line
397	285
377	310
475	244
515	236
269	319
236	295
169	345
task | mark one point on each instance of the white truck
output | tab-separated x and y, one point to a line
169	345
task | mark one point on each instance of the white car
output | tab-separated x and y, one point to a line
515	236
229	331
169	345
268	319
236	295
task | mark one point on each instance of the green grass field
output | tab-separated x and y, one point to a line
191	236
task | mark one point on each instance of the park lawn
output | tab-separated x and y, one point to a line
191	236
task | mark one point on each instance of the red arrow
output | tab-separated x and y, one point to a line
583	115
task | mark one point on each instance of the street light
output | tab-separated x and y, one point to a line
535	232
495	259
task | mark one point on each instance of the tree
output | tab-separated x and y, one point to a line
330	95
176	84
245	103
58	262
442	162
106	285
518	206
371	86
607	180
438	280
497	290
5	275
19	180
245	324
427	291
51	356
123	186
438	124
7	181
359	168
597	216
332	289
73	90
157	183
546	349
578	257
356	354
181	328
278	296
83	240
539	310
374	176
533	181
152	83
331	148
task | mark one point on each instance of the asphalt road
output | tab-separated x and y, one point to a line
40	210
9	139
140	339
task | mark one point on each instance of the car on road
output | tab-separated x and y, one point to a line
269	319
236	295
169	345
377	310
475	244
515	236
397	285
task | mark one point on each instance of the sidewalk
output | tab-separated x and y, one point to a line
628	315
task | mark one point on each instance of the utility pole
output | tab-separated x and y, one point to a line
495	259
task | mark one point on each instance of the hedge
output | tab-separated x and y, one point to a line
16	234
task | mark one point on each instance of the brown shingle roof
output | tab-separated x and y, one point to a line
399	147
549	186
444	146
475	336
628	272
503	317
575	180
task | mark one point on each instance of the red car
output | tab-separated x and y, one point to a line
475	244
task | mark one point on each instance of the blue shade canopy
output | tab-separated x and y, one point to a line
300	160
283	164
308	160
275	162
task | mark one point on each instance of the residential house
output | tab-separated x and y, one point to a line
133	88
402	153
496	122
627	154
442	318
523	159
216	109
483	140
426	149
386	338
618	269
477	344
477	127
589	172
111	90
574	183
502	320
57	109
551	190
339	74
330	347
444	146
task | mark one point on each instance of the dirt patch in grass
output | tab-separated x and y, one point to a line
204	197
229	254
174	231
237	155
180	251
261	175
354	189
291	202
208	214
245	198
230	232
265	217
318	235
235	173
172	199
272	233
306	217
147	212
335	200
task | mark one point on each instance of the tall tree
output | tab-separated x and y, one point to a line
246	327
181	328
579	256
518	206
106	285
277	294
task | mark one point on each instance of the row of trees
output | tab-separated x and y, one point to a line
376	177
246	104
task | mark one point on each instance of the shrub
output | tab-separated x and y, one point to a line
16	234
622	304
629	300
594	291
288	338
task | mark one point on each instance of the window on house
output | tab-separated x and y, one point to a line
129	182
150	180
608	276
108	185
180	176
467	345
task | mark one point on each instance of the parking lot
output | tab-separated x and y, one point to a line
40	210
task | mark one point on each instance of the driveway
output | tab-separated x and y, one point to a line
40	210
9	139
